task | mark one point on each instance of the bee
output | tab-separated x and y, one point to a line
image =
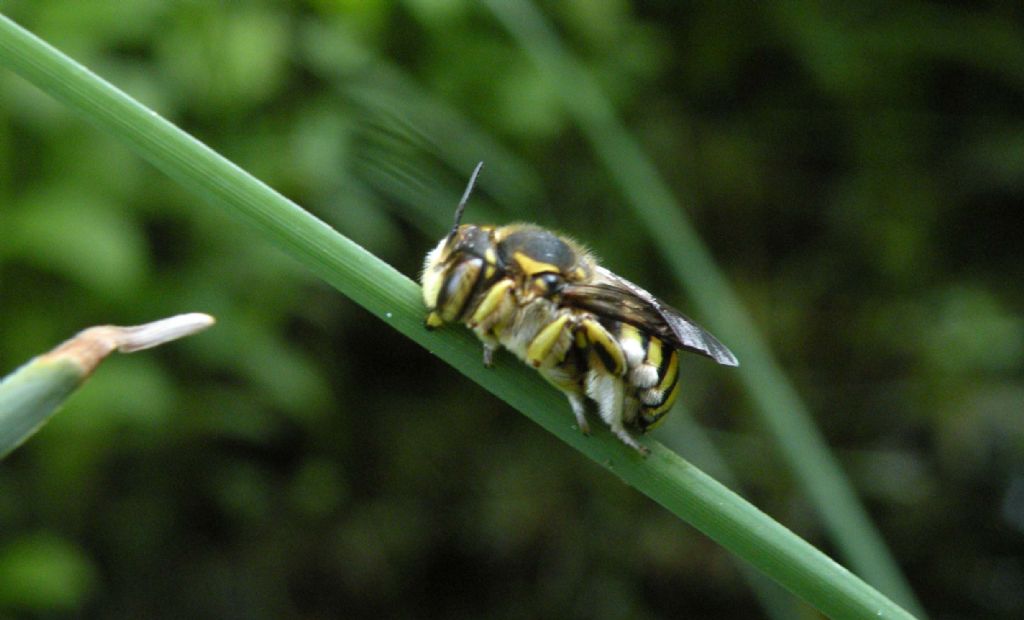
594	335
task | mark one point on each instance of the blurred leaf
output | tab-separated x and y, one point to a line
972	334
42	573
224	58
79	238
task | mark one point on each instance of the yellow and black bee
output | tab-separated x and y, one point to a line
592	334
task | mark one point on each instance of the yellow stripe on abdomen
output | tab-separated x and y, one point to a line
663	394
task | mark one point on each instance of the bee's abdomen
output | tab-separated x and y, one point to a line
653	372
656	401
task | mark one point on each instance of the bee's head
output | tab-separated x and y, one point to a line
471	240
465	239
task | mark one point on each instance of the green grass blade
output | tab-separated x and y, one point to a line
664	476
685	434
783	411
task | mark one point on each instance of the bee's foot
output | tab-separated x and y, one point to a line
582	424
631	441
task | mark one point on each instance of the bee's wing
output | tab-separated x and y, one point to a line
616	297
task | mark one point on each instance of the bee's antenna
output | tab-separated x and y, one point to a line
465	198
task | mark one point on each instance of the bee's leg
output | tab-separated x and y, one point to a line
607	391
433	320
566	378
579	409
493	311
630	441
489	350
495	308
549	346
607	351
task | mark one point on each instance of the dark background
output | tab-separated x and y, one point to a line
857	173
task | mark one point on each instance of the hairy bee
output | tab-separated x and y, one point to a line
592	334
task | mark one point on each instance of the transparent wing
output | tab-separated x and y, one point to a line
616	297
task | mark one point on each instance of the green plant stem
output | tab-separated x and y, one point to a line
782	410
664	476
685	435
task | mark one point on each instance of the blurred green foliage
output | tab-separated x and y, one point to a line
858	171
